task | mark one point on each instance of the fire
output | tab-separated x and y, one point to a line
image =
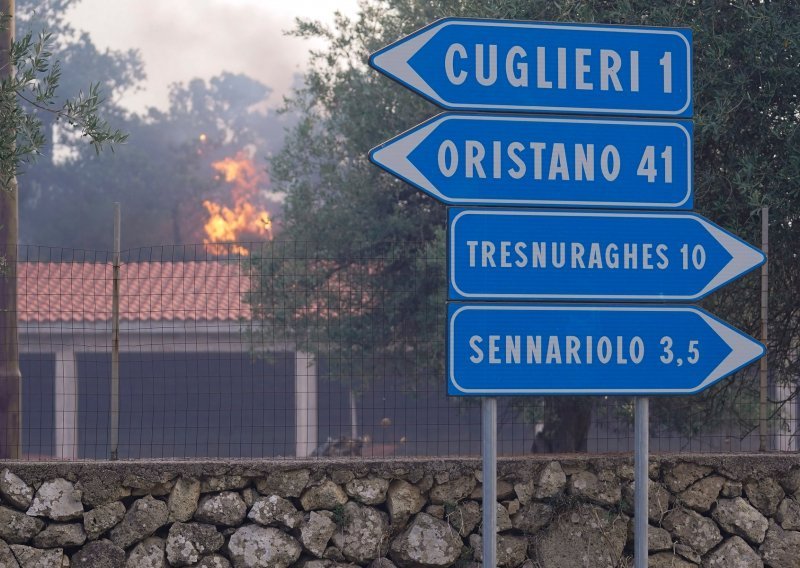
227	224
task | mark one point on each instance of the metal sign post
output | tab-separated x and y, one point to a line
489	455
641	480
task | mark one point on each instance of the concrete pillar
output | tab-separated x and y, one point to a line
786	425
305	403
66	405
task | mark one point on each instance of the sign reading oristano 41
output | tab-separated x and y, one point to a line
538	161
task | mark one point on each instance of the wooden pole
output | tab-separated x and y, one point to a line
10	377
115	338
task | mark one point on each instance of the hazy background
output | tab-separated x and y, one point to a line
197	84
182	39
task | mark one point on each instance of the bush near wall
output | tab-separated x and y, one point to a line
711	511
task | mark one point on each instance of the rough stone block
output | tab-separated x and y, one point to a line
29	557
585	536
15	491
284	483
737	516
226	508
703	493
188	542
17	527
363	534
58	535
254	546
99	554
551	482
692	529
733	553
58	500
764	494
328	495
780	549
145	517
681	475
183	499
148	554
102	518
427	542
368	490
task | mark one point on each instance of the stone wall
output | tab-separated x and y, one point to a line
712	511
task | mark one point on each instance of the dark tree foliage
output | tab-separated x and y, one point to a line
36	95
368	282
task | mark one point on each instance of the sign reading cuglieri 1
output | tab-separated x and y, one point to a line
506	66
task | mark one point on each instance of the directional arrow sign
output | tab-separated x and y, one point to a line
502	65
558	255
465	159
530	349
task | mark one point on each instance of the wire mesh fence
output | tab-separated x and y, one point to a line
280	350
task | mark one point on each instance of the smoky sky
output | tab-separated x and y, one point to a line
183	39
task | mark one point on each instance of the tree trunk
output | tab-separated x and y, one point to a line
10	378
566	426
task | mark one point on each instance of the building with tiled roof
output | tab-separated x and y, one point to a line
184	353
153	291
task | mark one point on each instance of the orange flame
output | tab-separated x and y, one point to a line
227	224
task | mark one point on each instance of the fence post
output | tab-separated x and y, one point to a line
305	397
115	338
353	415
763	374
66	402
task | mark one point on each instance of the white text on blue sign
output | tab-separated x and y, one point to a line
546	67
540	161
518	349
570	255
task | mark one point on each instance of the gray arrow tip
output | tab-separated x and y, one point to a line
393	155
744	350
394	61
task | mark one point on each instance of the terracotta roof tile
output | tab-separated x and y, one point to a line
149	291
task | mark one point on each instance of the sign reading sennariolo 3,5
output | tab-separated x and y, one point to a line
529	349
501	65
537	161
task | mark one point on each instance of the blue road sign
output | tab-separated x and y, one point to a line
532	349
504	65
469	159
519	254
